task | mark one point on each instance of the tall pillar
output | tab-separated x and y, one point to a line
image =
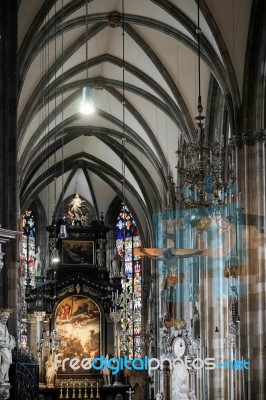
251	179
256	294
166	375
33	339
8	151
37	346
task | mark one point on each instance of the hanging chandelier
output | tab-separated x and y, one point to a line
204	180
205	170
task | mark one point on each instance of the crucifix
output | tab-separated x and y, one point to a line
155	253
130	392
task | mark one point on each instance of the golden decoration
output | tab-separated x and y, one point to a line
7	310
203	224
179	324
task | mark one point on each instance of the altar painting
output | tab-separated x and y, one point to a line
78	324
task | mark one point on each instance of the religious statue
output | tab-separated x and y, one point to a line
101	256
107	374
115	265
50	372
39	262
170	296
7	344
75	205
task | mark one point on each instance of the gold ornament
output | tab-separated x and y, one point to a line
179	324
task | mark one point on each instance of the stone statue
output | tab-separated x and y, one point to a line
50	372
75	205
107	374
39	262
101	256
115	265
7	343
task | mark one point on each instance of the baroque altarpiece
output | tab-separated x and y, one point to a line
71	302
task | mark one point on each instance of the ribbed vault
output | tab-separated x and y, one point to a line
160	89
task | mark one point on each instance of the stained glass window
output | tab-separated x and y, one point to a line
128	238
28	227
26	270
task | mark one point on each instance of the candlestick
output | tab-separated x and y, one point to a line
73	391
67	395
97	393
61	391
85	391
79	394
91	395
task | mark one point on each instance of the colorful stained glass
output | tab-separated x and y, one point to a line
128	238
28	257
26	271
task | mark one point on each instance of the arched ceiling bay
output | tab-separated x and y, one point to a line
61	151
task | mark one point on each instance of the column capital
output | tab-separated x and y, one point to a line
39	315
249	138
31	318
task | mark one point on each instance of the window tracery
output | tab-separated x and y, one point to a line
128	238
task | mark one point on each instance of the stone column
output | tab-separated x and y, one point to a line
39	315
33	339
253	308
9	208
166	375
213	309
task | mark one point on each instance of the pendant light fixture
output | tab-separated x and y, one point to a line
87	106
205	170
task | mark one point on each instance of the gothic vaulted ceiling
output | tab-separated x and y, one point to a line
126	148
